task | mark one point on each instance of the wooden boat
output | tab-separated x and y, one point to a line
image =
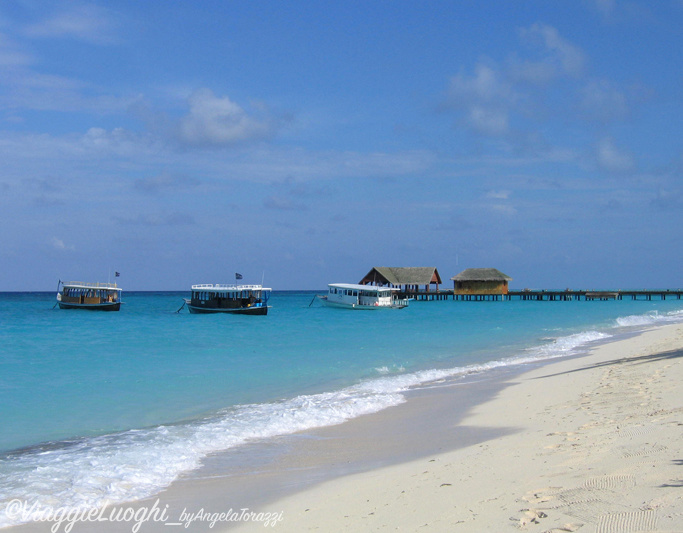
237	299
91	296
363	297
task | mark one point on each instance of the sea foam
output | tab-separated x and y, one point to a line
652	318
135	464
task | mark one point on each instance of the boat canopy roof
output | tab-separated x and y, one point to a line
223	287
85	285
356	287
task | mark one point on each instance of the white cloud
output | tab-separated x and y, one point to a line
490	98
614	11
489	120
165	181
485	85
219	121
501	204
534	72
282	203
606	7
119	142
667	200
58	244
558	56
85	22
11	54
610	158
485	98
30	89
498	195
117	152
602	101
503	209
32	151
154	220
570	57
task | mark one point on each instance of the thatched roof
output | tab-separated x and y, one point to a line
403	275
481	274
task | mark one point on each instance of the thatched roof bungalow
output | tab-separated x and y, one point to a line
481	281
409	279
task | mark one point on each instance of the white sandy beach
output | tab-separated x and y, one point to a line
597	446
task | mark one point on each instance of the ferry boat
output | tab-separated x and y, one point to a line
238	299
92	296
370	297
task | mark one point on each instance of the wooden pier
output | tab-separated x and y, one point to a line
590	295
541	295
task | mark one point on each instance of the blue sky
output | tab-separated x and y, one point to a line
306	142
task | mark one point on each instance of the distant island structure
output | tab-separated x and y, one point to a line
481	281
407	279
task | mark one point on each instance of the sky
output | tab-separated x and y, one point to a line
302	143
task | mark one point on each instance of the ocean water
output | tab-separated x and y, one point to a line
99	408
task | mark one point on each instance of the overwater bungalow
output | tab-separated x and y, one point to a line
407	279
481	281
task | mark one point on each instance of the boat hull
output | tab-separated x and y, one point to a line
114	306
358	307
253	310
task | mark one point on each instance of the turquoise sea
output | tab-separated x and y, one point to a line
100	408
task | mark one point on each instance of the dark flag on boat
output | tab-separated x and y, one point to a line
116	274
238	275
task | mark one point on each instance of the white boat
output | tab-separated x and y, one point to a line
368	297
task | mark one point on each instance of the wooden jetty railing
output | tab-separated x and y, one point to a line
548	295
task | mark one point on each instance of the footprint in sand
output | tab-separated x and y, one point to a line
530	516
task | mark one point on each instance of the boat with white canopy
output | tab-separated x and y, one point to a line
92	296
363	297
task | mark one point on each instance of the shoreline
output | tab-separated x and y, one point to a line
426	461
595	446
